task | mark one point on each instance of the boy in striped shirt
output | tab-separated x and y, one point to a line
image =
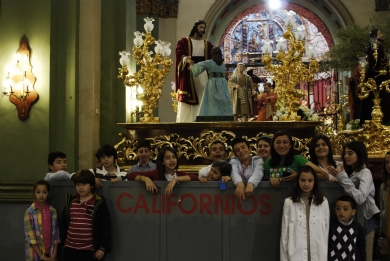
85	221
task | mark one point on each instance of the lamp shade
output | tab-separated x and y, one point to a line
289	20
148	26
312	52
267	48
281	45
300	32
138	41
362	61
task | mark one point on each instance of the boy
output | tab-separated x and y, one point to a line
219	170
86	212
245	168
109	170
217	153
143	152
57	166
346	236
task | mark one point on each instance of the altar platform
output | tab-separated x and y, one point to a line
192	140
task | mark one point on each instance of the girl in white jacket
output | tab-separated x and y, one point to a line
357	181
305	221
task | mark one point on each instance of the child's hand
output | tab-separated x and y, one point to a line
203	180
249	189
169	189
240	191
150	186
115	180
291	177
98	183
225	179
275	182
99	254
332	170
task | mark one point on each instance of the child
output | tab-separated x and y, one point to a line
86	212
384	193
217	153
57	166
305	220
357	181
220	170
346	236
167	166
109	171
41	226
216	99
143	152
245	168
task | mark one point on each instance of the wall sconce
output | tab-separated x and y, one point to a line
19	82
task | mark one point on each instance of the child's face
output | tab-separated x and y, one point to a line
351	158
41	193
107	161
169	162
242	152
84	189
218	152
344	211
58	164
282	145
306	183
264	149
214	174
143	155
321	149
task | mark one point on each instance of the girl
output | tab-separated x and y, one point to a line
357	181
41	226
383	205
167	166
284	164
321	154
267	103
305	220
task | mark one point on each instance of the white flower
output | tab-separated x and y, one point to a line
315	117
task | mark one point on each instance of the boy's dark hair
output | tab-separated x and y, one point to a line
348	199
143	144
55	154
224	167
106	150
218	142
312	147
239	140
385	174
318	197
160	159
84	176
41	182
275	158
361	152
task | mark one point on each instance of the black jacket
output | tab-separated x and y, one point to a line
101	224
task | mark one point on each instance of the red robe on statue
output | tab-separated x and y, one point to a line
183	77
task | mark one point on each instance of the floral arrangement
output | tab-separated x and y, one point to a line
353	125
303	111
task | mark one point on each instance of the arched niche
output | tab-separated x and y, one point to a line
222	13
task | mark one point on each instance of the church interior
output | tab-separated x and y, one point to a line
77	97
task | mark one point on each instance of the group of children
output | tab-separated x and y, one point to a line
307	232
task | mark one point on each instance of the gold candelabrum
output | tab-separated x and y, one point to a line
289	69
149	79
